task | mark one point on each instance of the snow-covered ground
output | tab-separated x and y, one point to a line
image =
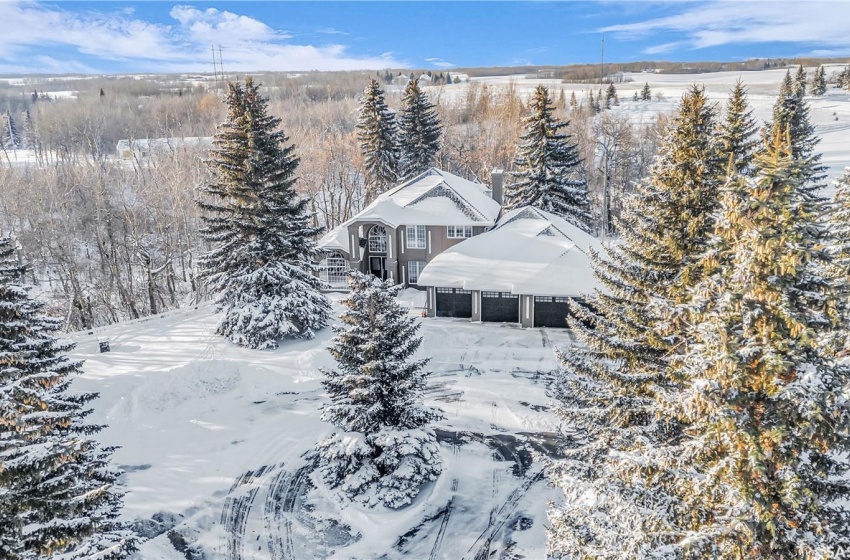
830	113
215	442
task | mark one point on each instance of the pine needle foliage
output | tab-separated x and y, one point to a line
819	82
791	114
419	132
619	500
263	252
547	167
377	134
58	495
738	133
386	449
765	406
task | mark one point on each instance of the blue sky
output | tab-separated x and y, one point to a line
123	37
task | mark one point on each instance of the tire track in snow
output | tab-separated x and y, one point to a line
279	511
499	517
235	511
441	532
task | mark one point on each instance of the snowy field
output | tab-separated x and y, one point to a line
215	442
830	113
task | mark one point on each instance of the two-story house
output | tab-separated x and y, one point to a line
407	226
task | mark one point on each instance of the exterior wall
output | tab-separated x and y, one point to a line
360	255
436	241
398	253
526	310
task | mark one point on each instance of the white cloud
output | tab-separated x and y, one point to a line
33	30
724	22
439	63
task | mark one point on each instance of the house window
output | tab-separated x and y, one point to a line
413	270
459	232
335	270
415	237
378	239
543	299
562	299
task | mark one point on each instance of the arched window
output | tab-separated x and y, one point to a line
378	240
335	270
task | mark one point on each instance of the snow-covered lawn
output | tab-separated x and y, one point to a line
214	441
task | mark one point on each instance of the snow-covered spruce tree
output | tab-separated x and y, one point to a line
819	81
800	81
791	114
419	132
738	132
547	167
646	93
263	251
11	135
386	449
765	402
839	224
57	490
610	96
377	134
619	502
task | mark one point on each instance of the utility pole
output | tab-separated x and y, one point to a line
602	81
215	68
220	63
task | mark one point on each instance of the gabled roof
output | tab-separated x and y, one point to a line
529	251
433	198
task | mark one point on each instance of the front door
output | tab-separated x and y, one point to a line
378	267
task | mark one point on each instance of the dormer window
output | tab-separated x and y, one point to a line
459	232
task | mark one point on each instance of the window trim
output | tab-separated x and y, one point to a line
372	237
341	269
452	232
418	242
413	276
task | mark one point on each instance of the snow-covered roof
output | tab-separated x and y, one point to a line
433	198
529	251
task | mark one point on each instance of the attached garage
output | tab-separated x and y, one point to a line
499	307
453	302
551	311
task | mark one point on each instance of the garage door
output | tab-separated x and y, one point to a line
499	307
551	311
453	302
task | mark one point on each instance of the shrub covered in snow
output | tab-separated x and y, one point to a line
385	450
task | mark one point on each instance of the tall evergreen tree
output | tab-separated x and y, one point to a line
819	81
619	502
57	490
419	132
610	96
11	135
377	134
766	461
791	114
263	251
386	449
547	167
800	82
839	224
573	102
646	93
737	134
